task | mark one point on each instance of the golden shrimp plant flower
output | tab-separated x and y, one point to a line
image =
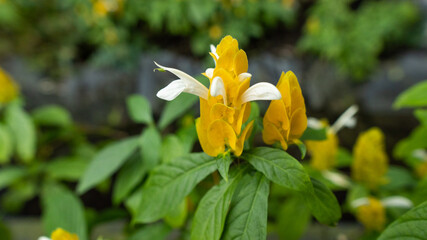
8	88
60	234
285	120
370	163
224	106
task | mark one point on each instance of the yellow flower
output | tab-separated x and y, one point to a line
8	88
215	32
370	160
372	215
285	120
421	169
102	7
60	234
224	107
323	153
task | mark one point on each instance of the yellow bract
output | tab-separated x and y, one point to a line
286	120
8	88
323	153
370	160
61	234
372	215
221	117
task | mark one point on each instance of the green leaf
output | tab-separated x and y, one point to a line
355	192
410	226
106	162
314	134
303	149
323	203
158	231
150	143
416	140
176	218
139	109
279	167
223	163
5	233
172	148
421	115
6	144
62	209
248	212
420	192
18	194
67	168
23	130
176	108
415	96
170	183
9	175
399	178
344	158
52	115
293	218
211	213
132	172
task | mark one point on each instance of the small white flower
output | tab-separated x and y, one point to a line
44	238
217	88
337	178
213	51
346	119
314	123
261	91
397	201
421	154
359	202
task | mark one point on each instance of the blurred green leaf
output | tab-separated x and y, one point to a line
293	218
421	115
415	96
52	115
405	148
10	174
176	218
176	108
106	162
172	148
323	203
157	231
169	183
23	130
409	226
150	143
66	168
399	179
132	172
62	209
5	233
209	219
279	167
344	158
6	145
314	134
247	218
139	109
18	194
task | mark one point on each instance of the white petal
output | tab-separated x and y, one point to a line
209	72
171	91
43	238
217	88
243	76
191	84
397	201
314	123
261	91
346	119
213	50
337	178
359	202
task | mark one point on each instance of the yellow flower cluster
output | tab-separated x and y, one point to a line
222	116
286	120
61	234
370	160
8	88
323	153
372	215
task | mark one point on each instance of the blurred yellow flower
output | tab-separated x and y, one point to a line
421	169
224	107
285	120
8	88
102	7
60	234
370	160
323	153
215	32
372	215
312	25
